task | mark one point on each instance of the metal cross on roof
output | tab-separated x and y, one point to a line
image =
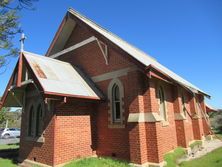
22	41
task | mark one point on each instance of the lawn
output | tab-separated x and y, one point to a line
8	146
97	162
212	159
172	157
7	163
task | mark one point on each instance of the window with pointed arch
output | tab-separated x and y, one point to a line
162	105
183	99
116	116
31	121
35	122
38	126
116	111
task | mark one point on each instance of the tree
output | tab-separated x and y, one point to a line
3	115
9	26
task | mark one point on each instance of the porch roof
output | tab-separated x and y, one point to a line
58	77
51	76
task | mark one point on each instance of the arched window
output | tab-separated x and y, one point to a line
31	118
183	105
116	111
162	107
116	117
38	120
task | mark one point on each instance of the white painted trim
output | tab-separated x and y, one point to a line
76	46
104	51
179	116
28	162
113	74
145	117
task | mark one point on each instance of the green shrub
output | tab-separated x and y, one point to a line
171	158
197	143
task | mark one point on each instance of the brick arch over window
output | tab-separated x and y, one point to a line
116	118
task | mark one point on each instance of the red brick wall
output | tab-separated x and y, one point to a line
188	123
89	57
184	128
91	61
167	134
73	131
40	152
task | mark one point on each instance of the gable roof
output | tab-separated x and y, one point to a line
209	108
137	54
51	76
58	77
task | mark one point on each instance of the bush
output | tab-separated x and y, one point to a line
195	144
171	158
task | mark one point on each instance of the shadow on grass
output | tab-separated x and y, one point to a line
9	154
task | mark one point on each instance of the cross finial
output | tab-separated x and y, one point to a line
22	41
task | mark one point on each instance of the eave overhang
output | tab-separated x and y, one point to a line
14	92
152	71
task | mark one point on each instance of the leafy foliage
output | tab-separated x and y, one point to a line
171	158
3	116
216	121
9	26
14	118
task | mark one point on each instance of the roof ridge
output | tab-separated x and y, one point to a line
136	53
109	32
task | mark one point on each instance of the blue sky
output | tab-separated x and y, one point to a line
185	36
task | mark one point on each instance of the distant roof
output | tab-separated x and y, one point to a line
136	53
58	77
209	108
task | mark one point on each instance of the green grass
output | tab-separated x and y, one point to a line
196	143
97	162
8	146
218	135
7	163
172	157
212	159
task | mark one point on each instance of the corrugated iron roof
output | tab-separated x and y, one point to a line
136	53
58	77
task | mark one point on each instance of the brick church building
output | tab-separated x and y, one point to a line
93	94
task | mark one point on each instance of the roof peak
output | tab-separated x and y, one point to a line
75	12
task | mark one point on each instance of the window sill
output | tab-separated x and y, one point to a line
116	126
165	123
180	117
35	139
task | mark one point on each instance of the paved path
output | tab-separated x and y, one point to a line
208	147
9	141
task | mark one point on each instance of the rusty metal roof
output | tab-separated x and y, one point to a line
58	77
